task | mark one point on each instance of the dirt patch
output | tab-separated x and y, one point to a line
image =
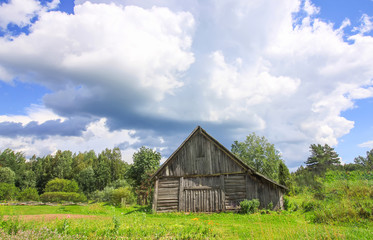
51	217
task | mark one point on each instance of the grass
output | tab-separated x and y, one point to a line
135	223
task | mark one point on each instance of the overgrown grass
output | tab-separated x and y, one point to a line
138	223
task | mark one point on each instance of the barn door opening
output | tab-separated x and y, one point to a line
203	199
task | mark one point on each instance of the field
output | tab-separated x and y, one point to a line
98	221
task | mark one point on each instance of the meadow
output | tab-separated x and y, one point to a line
108	222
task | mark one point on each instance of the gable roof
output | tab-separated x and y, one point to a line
233	157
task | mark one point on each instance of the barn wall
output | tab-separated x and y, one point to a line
167	195
235	191
200	156
266	192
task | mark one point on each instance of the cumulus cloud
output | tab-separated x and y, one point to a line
21	12
96	136
233	67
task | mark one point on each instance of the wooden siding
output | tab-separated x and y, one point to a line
202	194
168	195
235	191
199	156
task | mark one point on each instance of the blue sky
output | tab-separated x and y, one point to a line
89	75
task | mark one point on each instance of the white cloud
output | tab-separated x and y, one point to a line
243	64
36	113
366	24
130	49
20	12
368	144
97	136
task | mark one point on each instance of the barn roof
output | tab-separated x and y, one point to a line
233	157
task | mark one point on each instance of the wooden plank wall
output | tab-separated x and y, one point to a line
202	194
235	191
265	191
168	195
200	156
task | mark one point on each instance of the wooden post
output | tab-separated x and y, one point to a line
222	186
181	191
155	197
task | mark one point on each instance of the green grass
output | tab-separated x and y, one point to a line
134	223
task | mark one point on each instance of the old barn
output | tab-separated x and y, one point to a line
203	176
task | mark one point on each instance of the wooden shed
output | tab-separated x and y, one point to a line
203	176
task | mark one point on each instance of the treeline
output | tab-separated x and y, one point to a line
97	176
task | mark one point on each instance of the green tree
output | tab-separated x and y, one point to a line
284	177
102	170
145	163
61	185
259	154
366	162
7	175
322	158
86	180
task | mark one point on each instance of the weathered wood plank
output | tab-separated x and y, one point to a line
155	196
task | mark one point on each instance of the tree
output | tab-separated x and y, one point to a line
284	177
366	162
86	180
7	175
61	185
322	158
259	154
145	162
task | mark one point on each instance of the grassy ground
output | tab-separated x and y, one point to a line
136	223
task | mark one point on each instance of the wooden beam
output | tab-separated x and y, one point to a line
181	192
222	186
155	197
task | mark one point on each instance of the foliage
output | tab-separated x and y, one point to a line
322	158
7	175
61	185
249	206
86	180
284	177
8	191
63	196
258	153
365	162
122	195
29	194
145	162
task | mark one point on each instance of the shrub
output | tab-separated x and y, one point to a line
122	193
287	204
61	185
249	206
310	205
29	194
63	196
270	206
8	191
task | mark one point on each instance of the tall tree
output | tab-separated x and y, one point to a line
322	158
366	162
259	154
7	175
284	177
145	163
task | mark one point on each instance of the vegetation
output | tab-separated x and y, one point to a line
258	153
326	200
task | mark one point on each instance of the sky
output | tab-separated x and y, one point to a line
82	75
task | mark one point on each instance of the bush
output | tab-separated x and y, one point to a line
8	191
287	204
29	194
310	205
61	185
249	206
63	196
122	193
